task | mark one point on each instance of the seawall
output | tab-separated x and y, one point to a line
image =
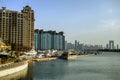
12	68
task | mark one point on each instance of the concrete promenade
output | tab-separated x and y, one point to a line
10	68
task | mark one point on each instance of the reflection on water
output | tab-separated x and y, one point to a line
105	66
26	74
50	70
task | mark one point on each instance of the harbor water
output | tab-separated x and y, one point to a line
105	66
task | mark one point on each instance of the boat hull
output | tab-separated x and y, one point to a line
71	57
68	55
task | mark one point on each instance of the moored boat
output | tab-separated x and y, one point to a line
69	55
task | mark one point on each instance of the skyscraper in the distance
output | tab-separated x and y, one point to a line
111	44
17	28
107	46
76	44
117	46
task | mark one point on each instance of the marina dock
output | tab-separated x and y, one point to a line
45	59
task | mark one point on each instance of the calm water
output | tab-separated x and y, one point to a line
105	66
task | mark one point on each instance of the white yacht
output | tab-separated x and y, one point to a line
31	52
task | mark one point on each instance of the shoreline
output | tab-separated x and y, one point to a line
12	68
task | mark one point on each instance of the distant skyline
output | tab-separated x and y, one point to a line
88	21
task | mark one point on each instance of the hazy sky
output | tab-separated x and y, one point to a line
89	21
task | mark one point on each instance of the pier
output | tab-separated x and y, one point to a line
45	59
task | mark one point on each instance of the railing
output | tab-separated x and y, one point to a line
11	65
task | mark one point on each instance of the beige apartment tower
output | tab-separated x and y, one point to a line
17	28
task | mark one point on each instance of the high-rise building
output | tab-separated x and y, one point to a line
47	40
76	45
17	28
111	44
117	46
70	46
107	46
